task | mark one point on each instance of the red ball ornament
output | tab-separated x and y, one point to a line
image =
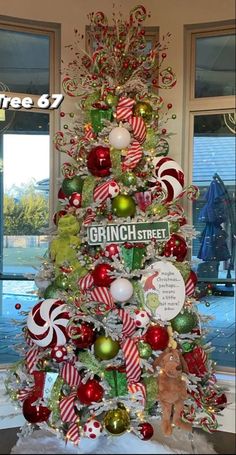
157	337
35	414
83	335
17	306
59	353
169	105
220	401
146	430
101	275
176	246
75	200
89	392
99	161
111	250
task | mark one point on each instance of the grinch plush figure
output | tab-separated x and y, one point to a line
64	248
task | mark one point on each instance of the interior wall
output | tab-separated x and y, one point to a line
169	16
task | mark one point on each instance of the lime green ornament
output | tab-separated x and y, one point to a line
74	185
174	226
184	322
112	100
144	110
123	206
116	421
129	178
61	282
105	348
144	349
51	292
151	139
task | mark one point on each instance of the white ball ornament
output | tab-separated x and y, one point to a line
47	322
119	137
121	290
141	318
92	429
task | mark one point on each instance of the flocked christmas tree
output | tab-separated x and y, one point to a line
117	308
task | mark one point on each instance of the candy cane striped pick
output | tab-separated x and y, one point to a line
31	358
67	408
124	108
128	323
138	387
132	360
86	282
139	128
106	190
25	393
102	294
89	217
73	434
134	155
70	374
89	134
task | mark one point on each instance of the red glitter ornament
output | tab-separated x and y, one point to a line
157	337
176	246
99	161
146	430
89	392
83	335
101	275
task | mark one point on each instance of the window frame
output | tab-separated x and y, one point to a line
53	31
200	106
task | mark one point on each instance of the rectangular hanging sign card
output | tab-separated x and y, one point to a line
128	232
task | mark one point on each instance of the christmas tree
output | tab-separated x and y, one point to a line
116	339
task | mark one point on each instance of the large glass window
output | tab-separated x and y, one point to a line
211	123
27	66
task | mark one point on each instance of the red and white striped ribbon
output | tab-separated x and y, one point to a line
89	217
28	339
134	155
102	295
86	282
70	374
67	408
129	326
105	190
138	387
132	360
124	108
189	287
25	393
139	128
73	434
191	191
31	358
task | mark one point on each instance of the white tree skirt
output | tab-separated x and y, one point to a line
44	442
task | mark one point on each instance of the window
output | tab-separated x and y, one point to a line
210	128
28	168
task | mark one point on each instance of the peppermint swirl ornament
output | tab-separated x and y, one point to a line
169	175
47	323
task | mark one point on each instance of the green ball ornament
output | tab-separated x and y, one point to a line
184	322
117	421
187	346
51	292
129	179
105	348
112	100
61	282
151	139
174	226
144	349
123	206
144	110
74	185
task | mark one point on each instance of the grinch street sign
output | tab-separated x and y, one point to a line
128	232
